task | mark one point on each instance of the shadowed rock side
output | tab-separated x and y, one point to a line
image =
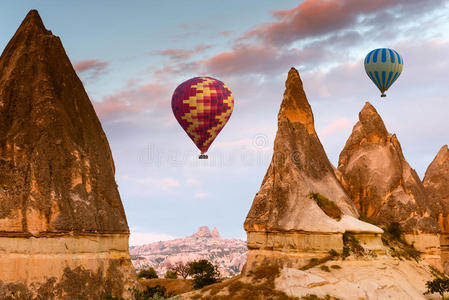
436	184
284	215
382	184
56	170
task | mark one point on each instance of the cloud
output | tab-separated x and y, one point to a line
141	238
336	126
318	18
226	33
130	101
181	54
92	67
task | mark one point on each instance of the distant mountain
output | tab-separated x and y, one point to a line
228	254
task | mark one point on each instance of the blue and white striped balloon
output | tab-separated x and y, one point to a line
383	67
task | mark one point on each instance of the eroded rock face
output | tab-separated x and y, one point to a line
56	172
382	184
284	217
436	184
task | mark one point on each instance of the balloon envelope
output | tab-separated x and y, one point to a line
383	67
202	106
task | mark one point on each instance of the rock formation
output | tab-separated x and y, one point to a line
301	206
228	254
436	184
215	233
382	184
63	230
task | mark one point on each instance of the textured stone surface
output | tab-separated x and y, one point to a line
436	184
283	217
62	223
382	278
382	184
56	165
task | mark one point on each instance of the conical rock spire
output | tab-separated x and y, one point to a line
382	184
298	169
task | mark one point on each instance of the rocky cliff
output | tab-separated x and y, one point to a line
436	184
228	254
62	223
382	184
301	205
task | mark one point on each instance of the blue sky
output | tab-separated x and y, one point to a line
132	55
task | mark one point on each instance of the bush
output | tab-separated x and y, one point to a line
203	273
147	273
330	208
352	245
440	283
395	231
171	275
336	267
151	293
325	268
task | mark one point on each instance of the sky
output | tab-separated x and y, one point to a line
131	55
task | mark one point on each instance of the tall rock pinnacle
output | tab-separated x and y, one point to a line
436	183
382	184
58	194
56	165
299	170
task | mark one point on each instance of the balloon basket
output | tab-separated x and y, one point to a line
383	95
203	156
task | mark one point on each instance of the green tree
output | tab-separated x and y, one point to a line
203	273
171	275
440	283
147	273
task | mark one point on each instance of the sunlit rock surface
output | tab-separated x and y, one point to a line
63	230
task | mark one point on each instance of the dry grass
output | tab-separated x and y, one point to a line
175	286
329	207
319	261
261	287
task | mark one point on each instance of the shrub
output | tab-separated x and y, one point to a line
392	237
329	207
203	273
325	268
440	283
171	275
336	267
395	231
352	245
180	268
150	293
147	273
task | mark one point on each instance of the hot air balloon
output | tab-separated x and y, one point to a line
202	106
383	66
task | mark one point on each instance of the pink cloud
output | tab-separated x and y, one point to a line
150	98
313	18
226	33
180	54
261	59
94	66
